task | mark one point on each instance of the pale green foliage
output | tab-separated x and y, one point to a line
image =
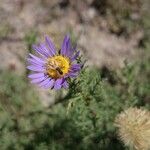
83	119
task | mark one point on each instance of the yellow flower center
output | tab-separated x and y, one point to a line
57	66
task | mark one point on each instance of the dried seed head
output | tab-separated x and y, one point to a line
134	128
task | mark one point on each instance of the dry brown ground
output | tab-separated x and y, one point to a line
54	18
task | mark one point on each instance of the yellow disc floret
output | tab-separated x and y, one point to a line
57	66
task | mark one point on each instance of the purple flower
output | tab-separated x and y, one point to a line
50	68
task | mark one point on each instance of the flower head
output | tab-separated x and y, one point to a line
52	68
134	128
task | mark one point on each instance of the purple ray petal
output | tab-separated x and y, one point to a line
65	84
72	50
73	74
75	56
40	60
38	80
42	84
51	46
34	62
68	48
39	50
76	67
45	50
35	68
50	84
65	45
36	75
58	84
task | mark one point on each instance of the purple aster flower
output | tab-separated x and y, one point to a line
50	68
